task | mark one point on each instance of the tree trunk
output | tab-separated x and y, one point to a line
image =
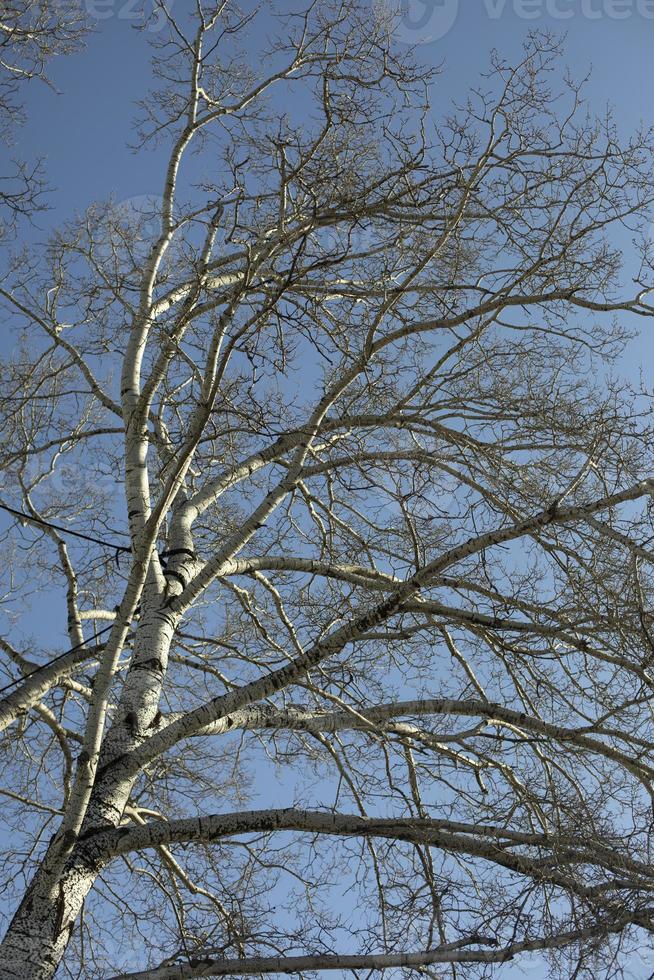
41	928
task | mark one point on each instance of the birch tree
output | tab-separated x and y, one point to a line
322	456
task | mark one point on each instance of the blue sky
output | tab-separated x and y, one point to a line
84	127
82	130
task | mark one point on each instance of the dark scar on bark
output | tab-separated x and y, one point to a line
177	551
152	664
61	909
169	573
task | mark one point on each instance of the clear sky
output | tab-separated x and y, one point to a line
82	130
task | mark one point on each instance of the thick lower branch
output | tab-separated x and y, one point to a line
206	966
536	855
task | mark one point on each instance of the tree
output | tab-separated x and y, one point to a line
325	452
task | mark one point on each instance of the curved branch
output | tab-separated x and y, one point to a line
455	952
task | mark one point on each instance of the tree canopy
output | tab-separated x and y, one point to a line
325	454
